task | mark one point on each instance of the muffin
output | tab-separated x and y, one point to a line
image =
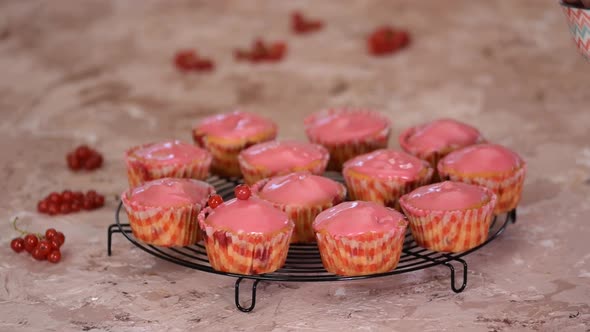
383	176
225	135
174	159
490	165
359	238
302	196
347	133
274	158
434	140
246	236
449	216
164	212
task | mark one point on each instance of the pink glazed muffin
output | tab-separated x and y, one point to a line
225	135
449	216
383	176
490	165
274	158
174	159
164	212
434	140
347	133
359	238
302	196
246	236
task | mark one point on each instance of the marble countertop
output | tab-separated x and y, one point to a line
100	73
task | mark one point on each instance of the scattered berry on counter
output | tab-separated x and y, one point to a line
215	201
84	157
242	192
68	202
302	25
40	247
262	52
386	40
189	60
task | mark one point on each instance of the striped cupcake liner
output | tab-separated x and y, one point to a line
245	253
253	174
432	157
363	254
341	152
302	216
166	227
140	171
386	192
507	186
225	152
453	230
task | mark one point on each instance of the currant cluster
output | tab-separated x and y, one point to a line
386	40
69	201
189	60
84	157
41	247
262	51
302	25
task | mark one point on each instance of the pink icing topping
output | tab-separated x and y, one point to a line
358	217
252	215
286	155
301	188
446	196
235	125
481	159
387	164
345	125
443	133
170	152
170	192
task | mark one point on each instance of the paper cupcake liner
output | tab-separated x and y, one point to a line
253	173
166	227
450	231
432	157
225	152
387	192
341	152
245	253
139	172
507	186
302	216
578	20
362	254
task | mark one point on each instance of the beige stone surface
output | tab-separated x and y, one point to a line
99	72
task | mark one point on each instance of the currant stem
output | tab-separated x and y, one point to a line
23	232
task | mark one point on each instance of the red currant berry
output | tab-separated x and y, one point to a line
99	201
31	242
43	206
75	207
78	197
53	209
83	152
55	198
215	201
88	204
64	208
73	162
242	192
38	254
50	233
59	238
54	256
91	194
54	244
67	196
17	244
44	247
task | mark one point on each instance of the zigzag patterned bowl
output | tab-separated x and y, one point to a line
578	20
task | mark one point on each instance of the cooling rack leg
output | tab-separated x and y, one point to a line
512	216
237	295
452	268
113	228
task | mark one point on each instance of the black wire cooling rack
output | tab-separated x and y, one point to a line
303	262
